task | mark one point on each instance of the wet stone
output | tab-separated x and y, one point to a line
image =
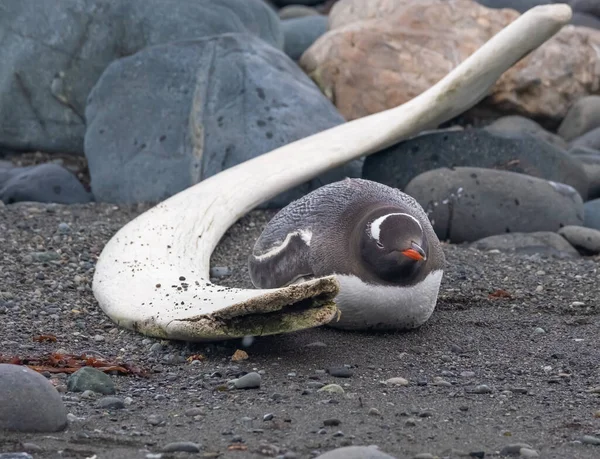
181	446
88	378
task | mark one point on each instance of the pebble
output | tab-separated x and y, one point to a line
590	440
89	378
183	446
220	271
437	381
482	389
374	412
340	372
355	452
539	331
15	456
332	422
29	402
64	228
397	381
155	419
268	417
332	388
424	456
113	403
528	453
248	381
514	449
191	412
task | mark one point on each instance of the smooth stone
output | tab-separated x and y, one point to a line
282	3
592	214
230	98
590	161
514	449
583	116
29	402
49	183
522	125
586	240
248	381
53	53
541	242
355	452
511	151
296	11
111	403
585	20
181	446
333	388
89	378
528	453
340	372
590	440
468	203
301	33
590	139
397	381
15	456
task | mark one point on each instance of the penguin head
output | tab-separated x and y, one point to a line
394	245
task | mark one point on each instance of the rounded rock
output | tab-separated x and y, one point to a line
355	452
586	240
29	402
582	117
468	203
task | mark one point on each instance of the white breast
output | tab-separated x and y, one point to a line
385	307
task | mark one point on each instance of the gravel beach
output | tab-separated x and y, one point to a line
510	356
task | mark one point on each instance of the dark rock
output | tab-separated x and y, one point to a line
229	98
520	5
586	240
340	372
355	452
469	203
297	2
42	183
582	117
28	402
545	243
592	214
590	160
520	125
296	11
585	20
511	151
590	139
111	403
301	33
53	53
182	446
89	378
585	6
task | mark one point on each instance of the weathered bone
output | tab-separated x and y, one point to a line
137	279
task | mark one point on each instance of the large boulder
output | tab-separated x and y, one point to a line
379	54
52	54
465	204
506	150
172	115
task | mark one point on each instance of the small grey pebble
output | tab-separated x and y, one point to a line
15	456
248	381
64	228
332	422
539	331
424	456
220	271
374	412
191	412
513	449
528	453
340	372
482	389
339	433
112	403
590	440
268	417
184	446
410	422
155	419
316	344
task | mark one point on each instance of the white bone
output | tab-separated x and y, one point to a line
177	237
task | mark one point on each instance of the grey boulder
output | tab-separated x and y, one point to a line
586	240
296	11
53	52
592	214
544	243
519	124
590	139
590	160
301	33
498	149
466	203
47	182
172	115
28	402
582	117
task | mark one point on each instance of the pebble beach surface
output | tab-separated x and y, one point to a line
507	364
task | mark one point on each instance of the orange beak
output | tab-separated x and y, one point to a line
415	253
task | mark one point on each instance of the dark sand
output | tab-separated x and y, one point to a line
539	381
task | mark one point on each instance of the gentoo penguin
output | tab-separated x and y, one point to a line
377	240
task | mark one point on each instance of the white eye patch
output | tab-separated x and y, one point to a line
376	224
